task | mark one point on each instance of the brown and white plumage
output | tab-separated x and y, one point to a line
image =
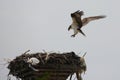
88	19
78	23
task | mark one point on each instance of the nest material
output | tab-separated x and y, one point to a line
53	66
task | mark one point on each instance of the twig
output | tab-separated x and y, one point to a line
33	68
47	55
41	59
84	54
26	52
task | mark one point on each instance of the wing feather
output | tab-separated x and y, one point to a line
88	19
77	19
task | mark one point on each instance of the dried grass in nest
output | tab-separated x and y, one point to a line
54	66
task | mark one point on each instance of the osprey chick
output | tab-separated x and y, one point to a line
78	23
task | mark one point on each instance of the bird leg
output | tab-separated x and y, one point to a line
73	35
81	32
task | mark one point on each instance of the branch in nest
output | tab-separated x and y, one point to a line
47	55
26	52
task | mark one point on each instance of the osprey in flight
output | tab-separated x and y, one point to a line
78	23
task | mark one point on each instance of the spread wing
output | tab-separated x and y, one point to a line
88	19
76	17
79	21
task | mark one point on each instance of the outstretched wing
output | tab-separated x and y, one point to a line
88	19
79	21
76	17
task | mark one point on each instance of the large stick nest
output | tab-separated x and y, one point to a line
51	66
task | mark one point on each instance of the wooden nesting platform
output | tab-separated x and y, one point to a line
52	66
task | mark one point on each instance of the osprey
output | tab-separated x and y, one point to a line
78	23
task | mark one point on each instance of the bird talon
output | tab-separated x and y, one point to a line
72	35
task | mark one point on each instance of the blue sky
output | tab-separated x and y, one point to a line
38	25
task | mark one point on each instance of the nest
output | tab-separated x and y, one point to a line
52	66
